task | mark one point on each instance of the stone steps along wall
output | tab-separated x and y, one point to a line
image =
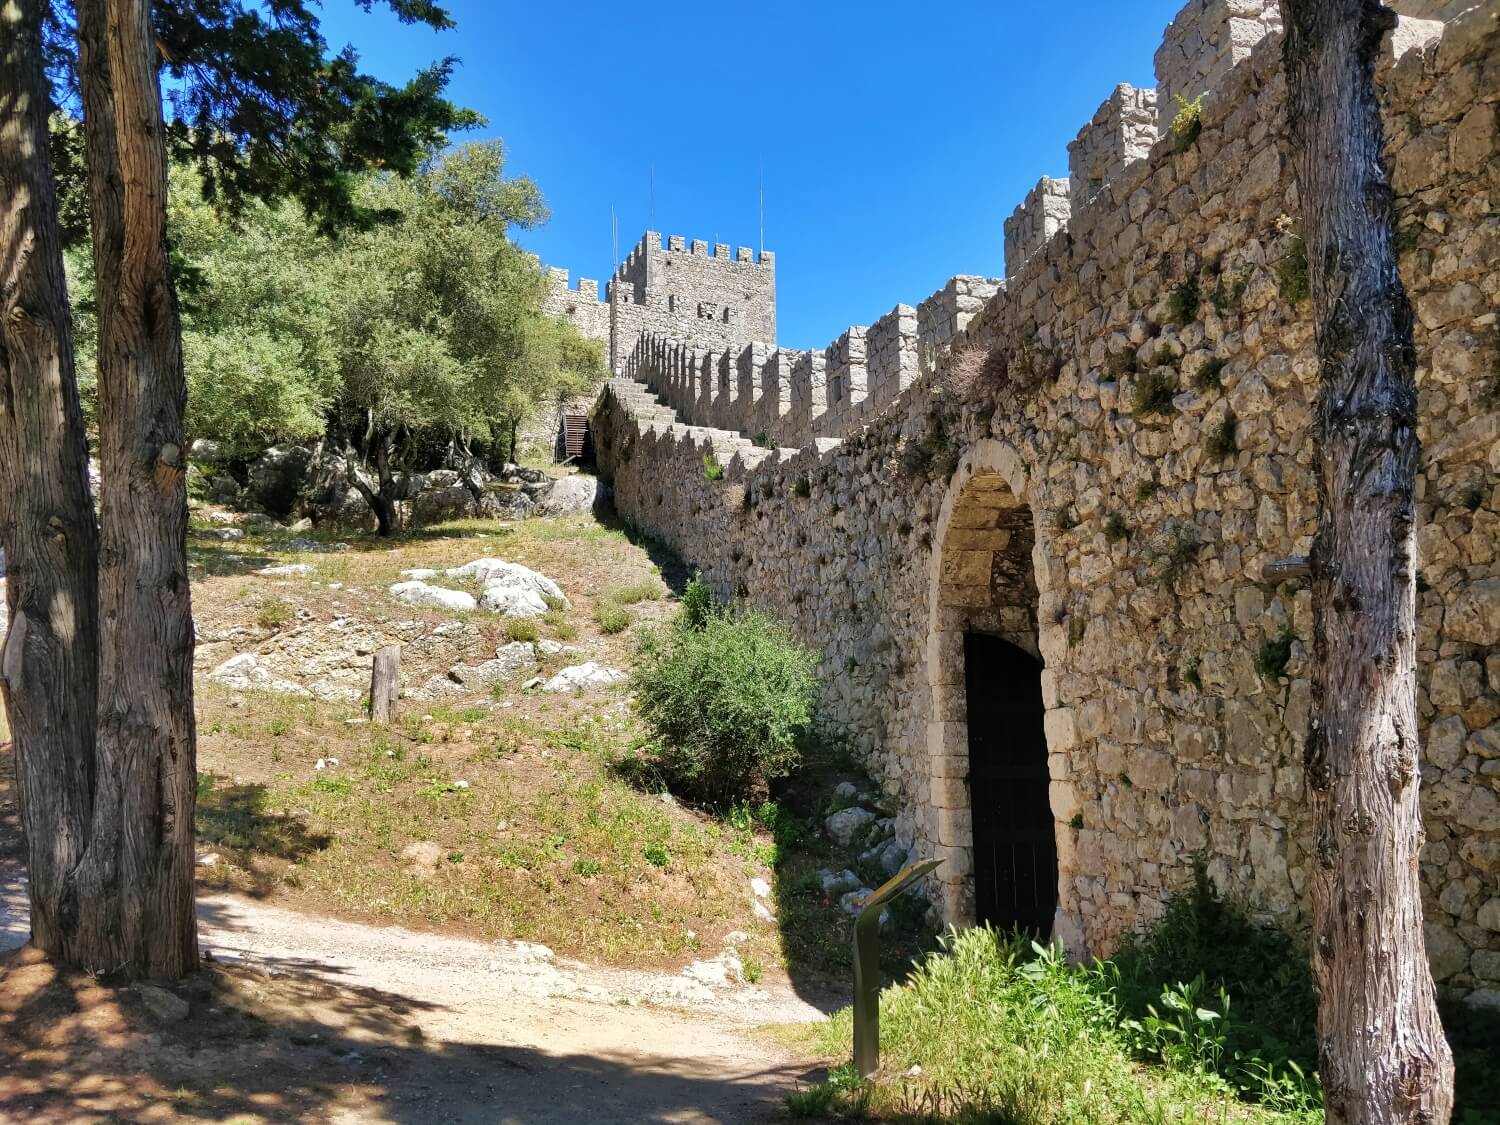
1213	762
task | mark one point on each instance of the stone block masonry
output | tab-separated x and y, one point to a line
1146	451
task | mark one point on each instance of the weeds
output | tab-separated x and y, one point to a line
1272	658
522	629
1291	272
1183	302
1188	122
612	618
1209	375
1221	442
712	470
1154	391
1115	527
274	613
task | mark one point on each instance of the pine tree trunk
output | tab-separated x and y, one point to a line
48	664
1383	1058
138	873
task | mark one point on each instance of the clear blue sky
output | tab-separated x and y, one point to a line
894	138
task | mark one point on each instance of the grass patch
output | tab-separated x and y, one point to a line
274	613
1207	1017
1291	272
522	629
646	590
612	618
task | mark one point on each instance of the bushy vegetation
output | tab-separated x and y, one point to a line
1219	1009
728	695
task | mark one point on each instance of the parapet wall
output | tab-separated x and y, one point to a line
1152	372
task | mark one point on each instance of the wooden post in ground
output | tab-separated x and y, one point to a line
385	683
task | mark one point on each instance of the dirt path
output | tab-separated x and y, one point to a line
518	1035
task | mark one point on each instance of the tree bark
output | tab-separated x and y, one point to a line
385	683
138	873
1383	1058
380	494
48	664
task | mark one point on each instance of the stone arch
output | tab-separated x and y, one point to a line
986	575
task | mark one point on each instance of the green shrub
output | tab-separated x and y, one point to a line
1183	301
1272	659
521	629
1209	374
1115	527
611	618
1221	441
1154	390
697	602
712	470
273	613
729	701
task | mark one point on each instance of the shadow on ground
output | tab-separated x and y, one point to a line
235	816
267	1045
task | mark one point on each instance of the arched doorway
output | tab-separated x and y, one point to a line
1015	842
986	587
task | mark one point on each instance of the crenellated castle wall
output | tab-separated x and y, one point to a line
1132	410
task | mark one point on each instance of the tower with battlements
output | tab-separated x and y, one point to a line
718	302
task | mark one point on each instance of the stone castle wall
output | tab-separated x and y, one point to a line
1134	405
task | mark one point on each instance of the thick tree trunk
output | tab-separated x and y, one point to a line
379	493
137	876
1383	1058
48	664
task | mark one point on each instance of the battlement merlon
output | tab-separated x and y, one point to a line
1045	211
1201	46
1119	136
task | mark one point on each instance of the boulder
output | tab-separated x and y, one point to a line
568	496
277	476
245	673
581	677
511	601
510	588
436	505
437	597
845	824
507	504
836	883
164	1006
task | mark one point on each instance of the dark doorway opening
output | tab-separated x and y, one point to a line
1015	840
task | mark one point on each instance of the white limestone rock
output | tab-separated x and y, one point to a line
420	593
285	571
581	677
245	673
567	496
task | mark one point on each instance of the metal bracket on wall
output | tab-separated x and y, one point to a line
867	964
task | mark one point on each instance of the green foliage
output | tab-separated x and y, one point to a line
712	470
1188	121
1191	674
1291	272
1207	953
656	855
1115	527
1221	441
1154	390
273	613
646	590
1146	489
1065	519
1183	302
1273	655
1208	376
802	487
697	603
729	701
1118	364
521	629
932	453
611	618
1007	1031
1176	548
